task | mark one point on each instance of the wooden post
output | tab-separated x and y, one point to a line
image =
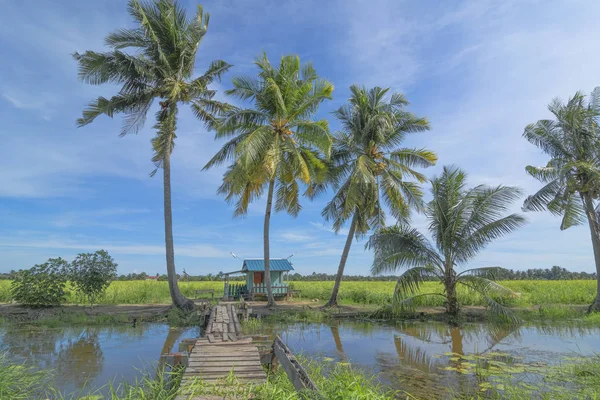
226	291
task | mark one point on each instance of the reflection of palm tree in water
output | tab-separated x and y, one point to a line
419	369
172	337
338	342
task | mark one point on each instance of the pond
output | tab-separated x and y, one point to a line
85	358
433	359
422	358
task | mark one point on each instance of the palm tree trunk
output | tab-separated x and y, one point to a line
340	272
270	298
179	300
452	306
595	234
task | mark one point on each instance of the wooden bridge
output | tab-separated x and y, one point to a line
223	351
220	352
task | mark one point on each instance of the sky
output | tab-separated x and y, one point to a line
479	71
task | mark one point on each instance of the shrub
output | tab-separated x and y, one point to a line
91	273
42	285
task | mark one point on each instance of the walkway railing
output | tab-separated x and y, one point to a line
261	288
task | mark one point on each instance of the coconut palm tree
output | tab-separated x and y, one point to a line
461	222
369	170
572	176
160	66
276	144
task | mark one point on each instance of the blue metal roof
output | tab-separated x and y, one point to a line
274	265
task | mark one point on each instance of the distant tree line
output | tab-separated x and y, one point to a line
548	274
535	274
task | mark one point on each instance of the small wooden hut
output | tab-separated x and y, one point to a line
255	286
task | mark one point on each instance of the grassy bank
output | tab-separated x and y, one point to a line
339	381
576	378
531	293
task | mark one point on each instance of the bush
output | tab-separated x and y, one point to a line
42	285
91	273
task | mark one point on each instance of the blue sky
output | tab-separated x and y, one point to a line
480	71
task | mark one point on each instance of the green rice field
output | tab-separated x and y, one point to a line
531	293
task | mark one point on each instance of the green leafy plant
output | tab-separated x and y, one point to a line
462	222
91	274
42	285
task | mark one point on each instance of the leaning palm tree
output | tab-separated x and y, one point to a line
160	66
369	170
277	143
461	222
572	176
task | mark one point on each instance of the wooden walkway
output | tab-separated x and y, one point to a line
221	352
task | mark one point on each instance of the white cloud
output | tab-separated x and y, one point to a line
294	237
190	250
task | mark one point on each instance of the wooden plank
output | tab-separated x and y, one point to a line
219	363
242	341
241	375
296	374
226	353
244	356
225	369
227	347
220	346
246	342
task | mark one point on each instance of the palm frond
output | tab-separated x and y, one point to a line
483	288
410	280
401	246
484	272
214	72
414	157
471	245
408	304
540	200
573	212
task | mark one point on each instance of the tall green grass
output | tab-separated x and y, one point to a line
337	381
20	381
531	293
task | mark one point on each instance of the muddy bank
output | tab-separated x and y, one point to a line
118	313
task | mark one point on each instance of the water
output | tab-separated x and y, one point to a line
90	357
409	356
416	357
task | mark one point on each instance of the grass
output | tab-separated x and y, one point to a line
20	381
338	381
531	293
